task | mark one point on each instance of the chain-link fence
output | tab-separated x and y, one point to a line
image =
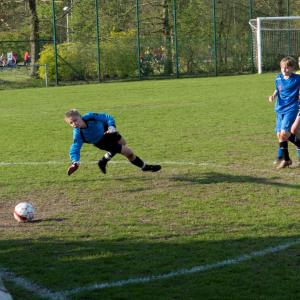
100	40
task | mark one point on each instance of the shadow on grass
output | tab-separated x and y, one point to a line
49	220
215	178
61	265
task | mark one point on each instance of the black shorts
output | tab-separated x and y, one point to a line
110	142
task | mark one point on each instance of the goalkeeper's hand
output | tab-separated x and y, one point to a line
111	129
74	166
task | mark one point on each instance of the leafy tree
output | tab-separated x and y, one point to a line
31	20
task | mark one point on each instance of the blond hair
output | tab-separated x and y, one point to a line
289	61
72	113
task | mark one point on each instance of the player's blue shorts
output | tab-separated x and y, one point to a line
285	121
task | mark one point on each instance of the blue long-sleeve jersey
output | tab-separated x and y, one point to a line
97	124
287	93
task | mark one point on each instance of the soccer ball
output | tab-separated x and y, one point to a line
24	212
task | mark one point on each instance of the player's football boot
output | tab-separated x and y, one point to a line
151	168
284	164
102	165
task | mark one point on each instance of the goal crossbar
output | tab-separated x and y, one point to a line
256	26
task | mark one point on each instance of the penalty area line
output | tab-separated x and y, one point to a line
30	286
163	163
53	162
117	162
180	272
62	295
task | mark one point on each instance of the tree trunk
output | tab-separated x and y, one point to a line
167	39
34	36
280	8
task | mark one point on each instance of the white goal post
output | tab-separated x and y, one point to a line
274	37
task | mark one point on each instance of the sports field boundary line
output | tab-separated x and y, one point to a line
4	293
30	286
180	272
291	172
53	162
48	294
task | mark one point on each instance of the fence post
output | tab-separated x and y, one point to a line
46	75
54	42
215	36
98	40
138	42
175	37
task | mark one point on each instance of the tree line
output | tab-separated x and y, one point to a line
205	29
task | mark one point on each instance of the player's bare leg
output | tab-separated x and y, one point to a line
295	130
283	143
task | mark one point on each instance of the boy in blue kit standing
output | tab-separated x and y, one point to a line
295	129
100	131
287	92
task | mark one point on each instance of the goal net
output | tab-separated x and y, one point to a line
274	38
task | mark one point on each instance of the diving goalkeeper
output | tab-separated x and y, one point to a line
100	131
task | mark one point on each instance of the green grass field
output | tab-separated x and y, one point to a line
217	197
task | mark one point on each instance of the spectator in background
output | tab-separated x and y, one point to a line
11	59
4	62
15	58
1	60
26	58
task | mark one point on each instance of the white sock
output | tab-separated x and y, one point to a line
107	156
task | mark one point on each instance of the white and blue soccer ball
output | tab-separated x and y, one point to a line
24	212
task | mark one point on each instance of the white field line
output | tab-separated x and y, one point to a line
180	272
4	293
293	172
30	286
48	294
53	162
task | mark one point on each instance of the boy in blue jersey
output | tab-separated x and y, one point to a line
287	92
295	129
100	131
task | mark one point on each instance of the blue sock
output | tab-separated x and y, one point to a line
298	153
280	154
